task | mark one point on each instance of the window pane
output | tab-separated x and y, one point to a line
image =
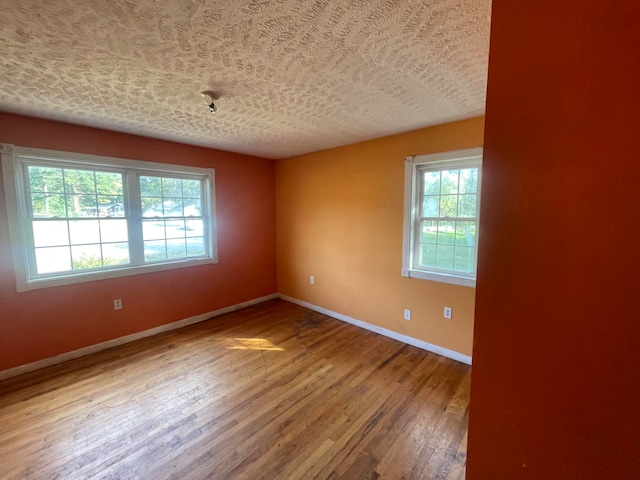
171	187
57	205
114	230
46	179
151	186
194	228
174	229
88	205
174	199
110	206
173	207
49	260
108	183
469	180
153	229
466	234
47	206
195	246
446	233
74	207
39	206
464	259
84	231
431	206
191	188
115	253
86	256
192	207
176	248
428	255
155	250
79	181
467	206
152	207
429	232
48	233
79	201
445	257
448	205
431	182
450	181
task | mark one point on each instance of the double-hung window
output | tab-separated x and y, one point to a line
75	218
442	204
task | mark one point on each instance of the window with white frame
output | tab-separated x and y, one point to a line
75	218
441	212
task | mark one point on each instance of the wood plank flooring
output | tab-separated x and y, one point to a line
274	391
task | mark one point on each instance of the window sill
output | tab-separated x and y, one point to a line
25	286
441	277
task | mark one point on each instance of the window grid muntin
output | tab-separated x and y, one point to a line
471	157
34	268
22	206
419	195
164	219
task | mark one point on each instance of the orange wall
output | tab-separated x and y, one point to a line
339	217
42	323
555	392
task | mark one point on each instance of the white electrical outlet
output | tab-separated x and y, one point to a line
312	279
407	314
447	312
117	304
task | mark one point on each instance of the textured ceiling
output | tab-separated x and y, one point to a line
295	76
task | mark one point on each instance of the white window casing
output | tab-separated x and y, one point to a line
416	219
127	214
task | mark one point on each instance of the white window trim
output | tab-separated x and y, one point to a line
18	231
454	158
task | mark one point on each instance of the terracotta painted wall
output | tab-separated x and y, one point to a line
339	218
556	378
43	323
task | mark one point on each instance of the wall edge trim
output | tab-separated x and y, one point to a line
98	347
445	352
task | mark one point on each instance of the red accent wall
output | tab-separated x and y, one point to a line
556	377
47	322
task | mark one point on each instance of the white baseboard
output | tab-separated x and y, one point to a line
383	331
47	362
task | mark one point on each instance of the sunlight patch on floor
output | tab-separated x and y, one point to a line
261	344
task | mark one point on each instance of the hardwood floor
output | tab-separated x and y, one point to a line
273	391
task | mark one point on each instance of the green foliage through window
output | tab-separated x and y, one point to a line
79	217
448	219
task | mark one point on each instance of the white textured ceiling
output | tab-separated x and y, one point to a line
295	76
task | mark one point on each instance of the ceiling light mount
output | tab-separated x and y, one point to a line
209	97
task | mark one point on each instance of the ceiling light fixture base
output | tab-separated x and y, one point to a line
209	97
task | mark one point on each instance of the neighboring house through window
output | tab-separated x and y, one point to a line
442	205
75	218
